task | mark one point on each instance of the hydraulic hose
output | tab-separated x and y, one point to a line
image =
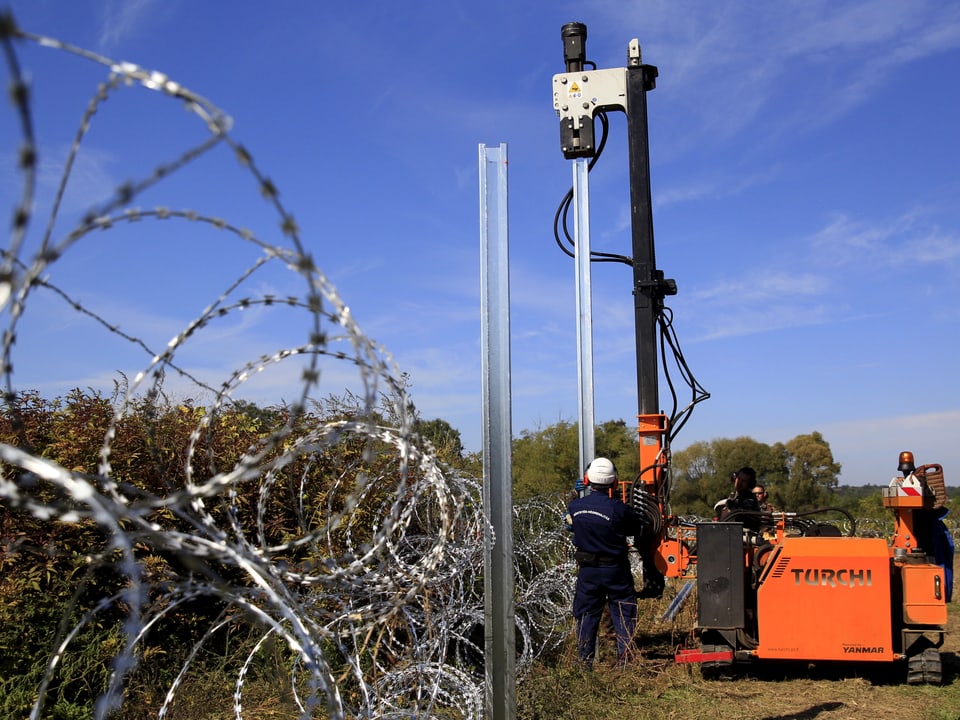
646	507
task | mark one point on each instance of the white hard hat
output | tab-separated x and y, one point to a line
601	472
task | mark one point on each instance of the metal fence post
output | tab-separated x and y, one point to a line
498	581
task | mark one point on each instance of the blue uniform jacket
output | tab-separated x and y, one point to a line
601	524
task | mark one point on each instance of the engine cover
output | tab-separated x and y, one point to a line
826	598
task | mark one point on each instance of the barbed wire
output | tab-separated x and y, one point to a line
385	602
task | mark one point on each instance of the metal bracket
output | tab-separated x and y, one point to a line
578	97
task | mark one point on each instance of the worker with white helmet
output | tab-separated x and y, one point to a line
601	525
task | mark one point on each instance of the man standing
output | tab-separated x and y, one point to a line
601	525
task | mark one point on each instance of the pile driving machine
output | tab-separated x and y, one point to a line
782	586
772	586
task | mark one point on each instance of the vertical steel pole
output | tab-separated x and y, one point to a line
647	291
498	582
581	219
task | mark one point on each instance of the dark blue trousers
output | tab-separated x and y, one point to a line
596	587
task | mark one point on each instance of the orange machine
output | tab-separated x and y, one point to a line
800	590
794	589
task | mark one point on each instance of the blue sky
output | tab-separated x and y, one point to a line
805	170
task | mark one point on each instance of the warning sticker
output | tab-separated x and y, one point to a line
575	91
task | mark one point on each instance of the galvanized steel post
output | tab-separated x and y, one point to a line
581	219
498	582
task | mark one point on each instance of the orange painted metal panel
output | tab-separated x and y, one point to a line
923	595
826	599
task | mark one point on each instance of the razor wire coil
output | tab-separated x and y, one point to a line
377	596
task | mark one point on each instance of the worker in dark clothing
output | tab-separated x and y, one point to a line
742	500
601	526
742	506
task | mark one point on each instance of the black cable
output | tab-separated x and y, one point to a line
562	216
668	338
842	511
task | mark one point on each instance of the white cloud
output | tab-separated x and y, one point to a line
910	239
712	52
120	19
758	302
714	188
851	257
91	181
764	287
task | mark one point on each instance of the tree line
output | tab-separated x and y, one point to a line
799	474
